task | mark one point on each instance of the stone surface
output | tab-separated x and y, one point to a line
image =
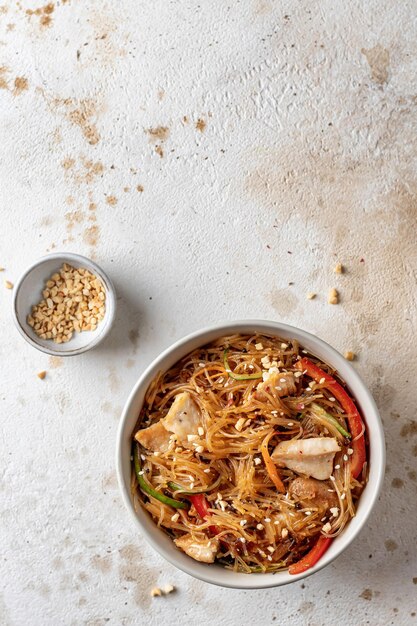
218	159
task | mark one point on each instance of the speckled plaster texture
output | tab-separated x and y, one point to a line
217	159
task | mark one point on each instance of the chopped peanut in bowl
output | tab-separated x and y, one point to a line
73	300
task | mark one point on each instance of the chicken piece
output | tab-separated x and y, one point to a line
312	492
184	417
312	457
155	437
204	550
277	383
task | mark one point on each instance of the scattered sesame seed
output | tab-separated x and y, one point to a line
345	457
279	388
270	549
260	526
332	399
290	424
207	471
322	380
259	346
304	352
277	522
307	512
202	365
327	527
251	366
156	453
267	519
323	519
191	485
143	457
156	592
242	539
331	490
284	533
333	297
337	466
334	511
298	374
284	346
199	449
200	431
243	522
332	478
269	557
282	380
141	473
191	437
257	460
308	388
175	517
349	451
220	380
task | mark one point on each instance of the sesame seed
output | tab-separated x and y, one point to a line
257	460
332	478
199	449
242	539
282	380
207	471
156	453
141	473
201	364
343	496
290	424
191	437
259	346
327	528
308	388
334	511
284	346
143	457
332	399
175	517
260	526
349	451
251	366
345	457
269	557
270	549
243	522
220	380
239	424
298	374
322	380
284	533
267	519
200	431
323	519
337	467
307	512
330	490
279	388
304	351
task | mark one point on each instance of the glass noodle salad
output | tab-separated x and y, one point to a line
250	452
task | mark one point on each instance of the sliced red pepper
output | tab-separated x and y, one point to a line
312	557
352	414
200	504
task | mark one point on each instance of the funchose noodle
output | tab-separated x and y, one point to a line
249	452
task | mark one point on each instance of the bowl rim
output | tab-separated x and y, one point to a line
110	293
208	573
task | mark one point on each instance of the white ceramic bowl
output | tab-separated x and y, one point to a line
214	573
28	291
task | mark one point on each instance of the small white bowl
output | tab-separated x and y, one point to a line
28	291
215	573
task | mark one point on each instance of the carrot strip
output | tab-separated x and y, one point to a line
270	465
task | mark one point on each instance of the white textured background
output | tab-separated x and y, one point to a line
305	154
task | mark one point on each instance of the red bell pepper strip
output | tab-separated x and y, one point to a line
352	414
200	504
312	557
